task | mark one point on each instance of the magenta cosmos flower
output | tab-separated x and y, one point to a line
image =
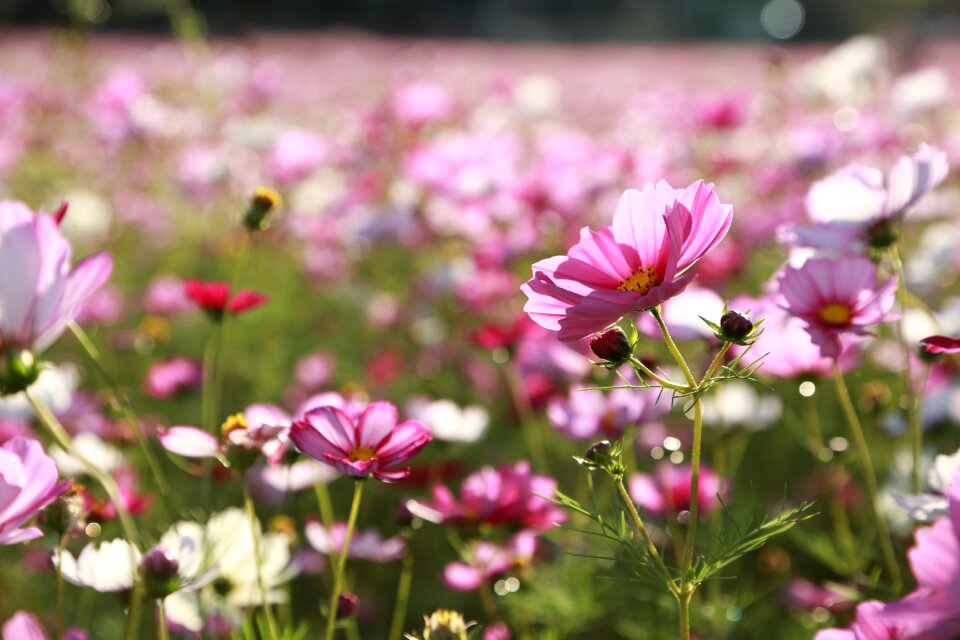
46	295
941	344
28	483
668	489
631	266
374	444
837	298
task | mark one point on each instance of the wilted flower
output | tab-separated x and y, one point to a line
634	265
836	298
374	444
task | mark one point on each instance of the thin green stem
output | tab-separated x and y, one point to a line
132	630
258	558
342	559
683	605
60	544
691	538
209	408
647	541
717	361
528	424
62	438
403	595
913	396
162	632
122	403
660	380
869	476
672	348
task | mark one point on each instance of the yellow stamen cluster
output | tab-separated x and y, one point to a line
361	454
232	423
835	314
640	281
265	198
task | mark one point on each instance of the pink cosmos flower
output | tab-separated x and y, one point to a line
215	297
487	560
374	444
941	344
632	266
668	489
589	414
167	379
46	295
28	483
837	298
505	496
260	428
869	625
365	545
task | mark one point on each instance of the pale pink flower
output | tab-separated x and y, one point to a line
487	560
38	304
667	490
28	483
632	266
365	545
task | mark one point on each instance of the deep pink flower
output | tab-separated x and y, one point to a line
374	444
941	344
214	297
28	483
634	265
46	294
510	495
487	560
668	489
837	298
869	625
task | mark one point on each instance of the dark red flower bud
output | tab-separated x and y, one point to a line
346	605
735	326
159	573
612	346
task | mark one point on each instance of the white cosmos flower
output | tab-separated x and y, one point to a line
90	446
449	422
107	567
926	507
228	543
737	404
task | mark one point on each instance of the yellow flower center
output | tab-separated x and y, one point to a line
640	281
232	423
266	198
835	313
361	454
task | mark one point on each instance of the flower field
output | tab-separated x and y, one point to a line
346	337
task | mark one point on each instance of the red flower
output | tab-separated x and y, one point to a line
214	297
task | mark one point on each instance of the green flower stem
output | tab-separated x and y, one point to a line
342	559
162	633
528	425
62	438
210	406
683	604
403	595
663	382
60	545
687	560
258	558
869	476
674	351
715	365
122	403
132	630
914	423
647	541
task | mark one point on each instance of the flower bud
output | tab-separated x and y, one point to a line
159	573
346	605
612	346
262	202
18	370
599	452
735	326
